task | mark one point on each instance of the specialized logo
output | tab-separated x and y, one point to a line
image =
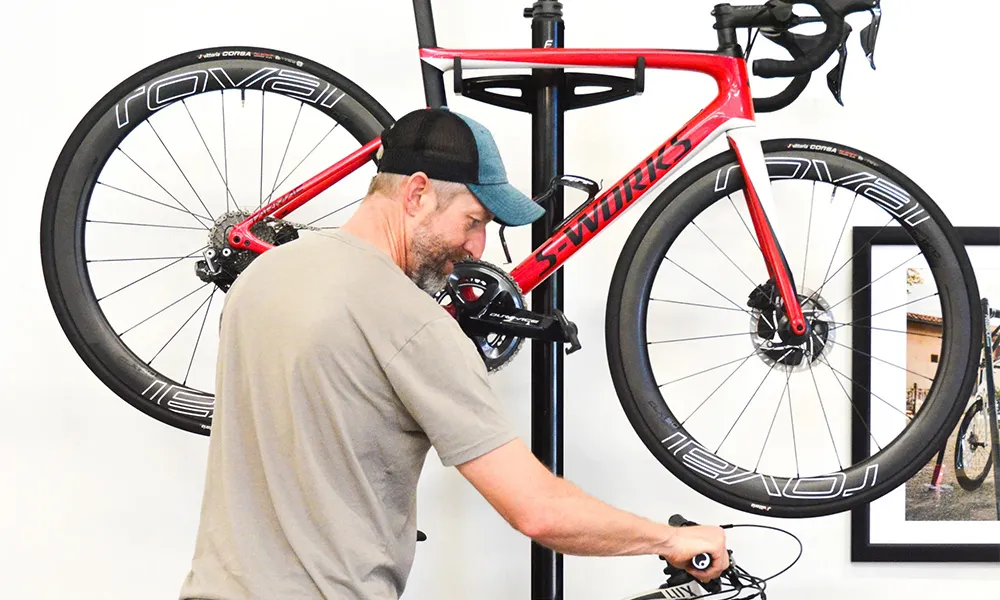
588	220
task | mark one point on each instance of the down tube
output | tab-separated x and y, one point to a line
591	220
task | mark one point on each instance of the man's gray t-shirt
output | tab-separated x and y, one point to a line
336	374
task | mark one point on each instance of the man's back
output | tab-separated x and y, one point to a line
335	375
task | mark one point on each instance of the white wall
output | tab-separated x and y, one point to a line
101	502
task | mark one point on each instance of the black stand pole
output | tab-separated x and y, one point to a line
548	116
991	400
546	94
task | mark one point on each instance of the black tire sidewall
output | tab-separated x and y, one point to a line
67	193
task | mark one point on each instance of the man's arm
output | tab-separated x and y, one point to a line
560	516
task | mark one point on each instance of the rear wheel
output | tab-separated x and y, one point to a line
149	182
727	399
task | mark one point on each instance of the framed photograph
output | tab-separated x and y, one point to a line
947	512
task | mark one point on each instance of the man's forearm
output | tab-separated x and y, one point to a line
571	522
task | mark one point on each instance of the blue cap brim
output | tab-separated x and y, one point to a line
509	206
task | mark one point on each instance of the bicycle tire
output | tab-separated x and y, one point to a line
95	138
970	480
686	457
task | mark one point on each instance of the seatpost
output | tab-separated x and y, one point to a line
433	78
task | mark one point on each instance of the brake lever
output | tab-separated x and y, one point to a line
869	34
835	78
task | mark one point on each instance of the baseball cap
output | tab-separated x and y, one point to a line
452	147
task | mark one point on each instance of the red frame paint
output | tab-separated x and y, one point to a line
733	101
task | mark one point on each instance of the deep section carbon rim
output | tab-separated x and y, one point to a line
148	183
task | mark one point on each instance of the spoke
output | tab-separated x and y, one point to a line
760	385
805	261
306	157
851	402
229	193
847	377
860	248
181	204
225	151
697	408
731	261
695	304
773	420
836	343
186	321
141	258
117	189
183	174
263	100
274	186
791	416
187	295
707	370
152	273
145	225
200	332
870	283
840	238
330	214
709	287
840	325
888	309
829	428
704	337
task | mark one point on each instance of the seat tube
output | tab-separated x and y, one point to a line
433	78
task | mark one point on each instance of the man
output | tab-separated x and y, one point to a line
338	371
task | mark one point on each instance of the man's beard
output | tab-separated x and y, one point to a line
429	258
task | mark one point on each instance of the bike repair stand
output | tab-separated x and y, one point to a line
991	399
546	94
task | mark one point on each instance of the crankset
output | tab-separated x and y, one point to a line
489	307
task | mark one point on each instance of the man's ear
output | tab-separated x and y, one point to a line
416	197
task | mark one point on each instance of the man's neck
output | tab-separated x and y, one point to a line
379	222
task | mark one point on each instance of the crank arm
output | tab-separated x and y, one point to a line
522	323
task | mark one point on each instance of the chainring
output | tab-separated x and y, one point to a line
471	278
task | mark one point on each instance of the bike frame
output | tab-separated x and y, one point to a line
730	112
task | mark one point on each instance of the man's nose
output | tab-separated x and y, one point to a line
476	244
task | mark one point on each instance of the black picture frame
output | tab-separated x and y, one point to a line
862	548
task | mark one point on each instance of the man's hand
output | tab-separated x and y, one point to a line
687	542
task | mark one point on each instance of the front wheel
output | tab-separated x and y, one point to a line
711	377
146	187
973	447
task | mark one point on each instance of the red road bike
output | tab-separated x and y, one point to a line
730	322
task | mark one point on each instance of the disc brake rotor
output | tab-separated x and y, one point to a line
768	322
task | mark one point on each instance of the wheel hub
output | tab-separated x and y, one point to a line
222	262
772	335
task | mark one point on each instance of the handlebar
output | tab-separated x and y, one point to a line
828	43
775	19
700	562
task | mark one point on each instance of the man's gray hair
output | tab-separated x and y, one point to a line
388	183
